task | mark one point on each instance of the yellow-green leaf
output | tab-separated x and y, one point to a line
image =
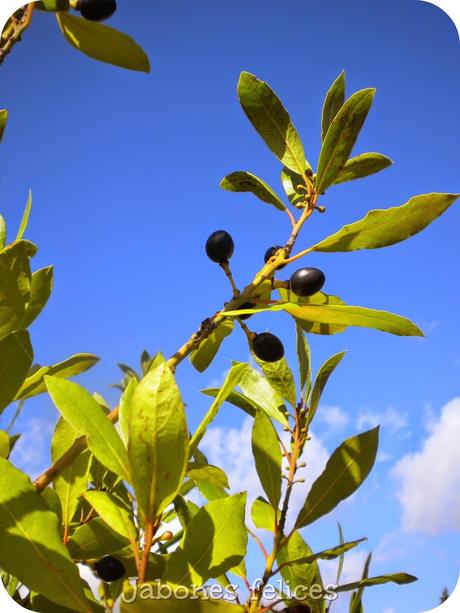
313	327
334	100
3	120
280	377
345	471
4	444
15	360
112	513
202	357
103	43
40	291
363	165
143	600
25	218
398	578
263	514
15	278
267	455
242	181
271	120
94	540
321	380
384	227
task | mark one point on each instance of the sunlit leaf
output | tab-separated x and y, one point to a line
341	137
242	181
3	120
267	455
263	514
25	218
345	471
112	513
202	357
15	278
321	380
94	540
15	360
327	554
4	444
313	327
334	100
40	291
280	377
259	391
151	604
208	473
362	166
271	120
293	185
398	578
384	227
103	43
304	359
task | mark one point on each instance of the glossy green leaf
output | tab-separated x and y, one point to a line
94	540
208	473
362	166
146	602
40	291
313	327
321	380
25	218
3	120
125	407
79	408
202	357
267	455
4	444
158	440
242	181
263	514
52	500
304	359
301	575
280	377
103	43
115	516
15	278
291	183
333	102
75	365
31	547
73	481
271	120
258	390
398	578
384	227
214	542
15	360
345	471
327	554
237	399
341	137
232	380
2	233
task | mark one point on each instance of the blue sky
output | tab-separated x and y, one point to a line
125	169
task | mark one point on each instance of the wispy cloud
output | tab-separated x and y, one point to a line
333	416
391	419
31	452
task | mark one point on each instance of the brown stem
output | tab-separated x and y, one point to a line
150	529
226	268
14	31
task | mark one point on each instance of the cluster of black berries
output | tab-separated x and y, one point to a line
303	282
109	569
97	10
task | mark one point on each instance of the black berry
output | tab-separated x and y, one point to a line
97	10
109	569
307	281
219	246
246	305
268	347
271	252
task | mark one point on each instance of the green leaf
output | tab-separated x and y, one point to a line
15	360
259	391
357	604
75	365
232	380
384	227
150	603
94	540
4	444
327	554
280	377
313	327
242	181
362	166
15	278
267	455
73	481
208	473
40	291
321	380
342	556
53	502
158	440
301	575
3	120
25	218
263	514
79	408
40	603
236	398
31	547
333	102
103	43
214	542
112	513
125	407
398	578
53	5
304	359
345	471
341	137
2	233
291	182
271	120
202	357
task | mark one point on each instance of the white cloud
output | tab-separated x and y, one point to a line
430	479
333	416
390	610
31	452
390	419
